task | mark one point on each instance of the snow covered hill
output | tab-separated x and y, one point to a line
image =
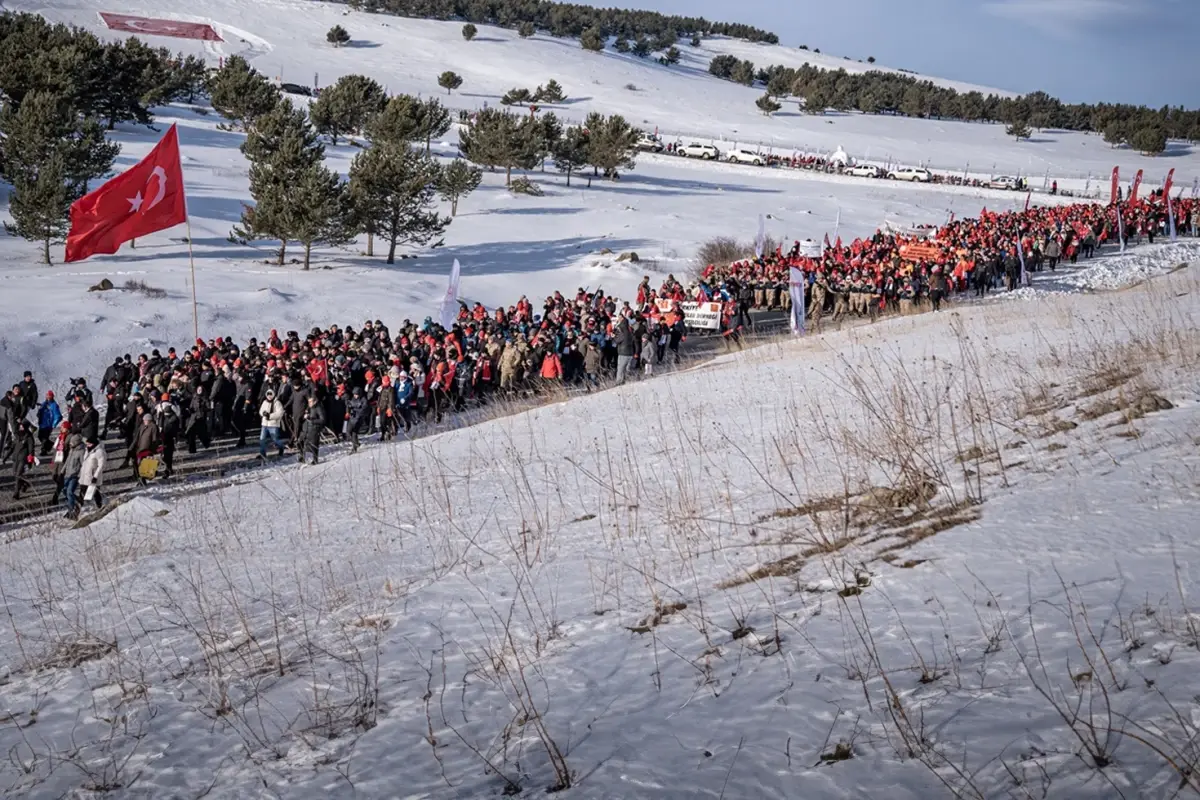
943	555
508	246
285	39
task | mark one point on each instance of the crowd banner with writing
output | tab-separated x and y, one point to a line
705	316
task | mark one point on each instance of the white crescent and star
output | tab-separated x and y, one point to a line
135	202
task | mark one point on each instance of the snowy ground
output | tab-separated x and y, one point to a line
508	246
285	39
941	555
954	550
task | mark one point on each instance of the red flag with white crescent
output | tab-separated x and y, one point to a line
1137	182
145	198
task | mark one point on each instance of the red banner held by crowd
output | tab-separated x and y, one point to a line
1170	180
1116	185
1133	191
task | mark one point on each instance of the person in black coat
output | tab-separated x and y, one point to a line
169	426
29	392
358	411
23	449
314	426
89	420
299	397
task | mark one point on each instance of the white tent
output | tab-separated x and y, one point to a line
840	157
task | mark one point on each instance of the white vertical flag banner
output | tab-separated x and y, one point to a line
1171	218
1021	255
1121	228
796	288
837	224
450	302
760	240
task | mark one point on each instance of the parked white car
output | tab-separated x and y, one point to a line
911	174
864	171
1003	182
697	150
740	155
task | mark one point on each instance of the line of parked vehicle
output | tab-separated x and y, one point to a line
741	155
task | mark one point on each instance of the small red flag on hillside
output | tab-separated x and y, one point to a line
147	197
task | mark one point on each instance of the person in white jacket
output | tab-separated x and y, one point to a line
91	473
271	413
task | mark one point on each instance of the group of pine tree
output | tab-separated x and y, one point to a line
393	182
60	89
565	20
877	92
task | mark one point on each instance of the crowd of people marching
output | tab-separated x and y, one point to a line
297	390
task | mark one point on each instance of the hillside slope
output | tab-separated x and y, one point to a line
508	246
922	557
285	39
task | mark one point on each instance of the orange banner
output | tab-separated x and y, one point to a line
918	252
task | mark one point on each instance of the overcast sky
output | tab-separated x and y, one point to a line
1134	51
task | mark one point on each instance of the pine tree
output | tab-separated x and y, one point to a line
549	131
621	44
1115	133
347	106
284	151
671	57
338	36
641	47
320	211
468	33
592	40
1019	130
392	188
191	79
780	84
525	30
408	119
767	105
743	72
552	92
1149	139
571	151
449	81
129	77
434	121
400	121
48	154
500	139
458	180
695	42
612	144
516	97
240	93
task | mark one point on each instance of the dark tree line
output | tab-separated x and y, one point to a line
568	19
878	92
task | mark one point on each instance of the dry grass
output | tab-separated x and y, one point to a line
140	287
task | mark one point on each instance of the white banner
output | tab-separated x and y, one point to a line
760	240
796	287
449	311
810	249
706	316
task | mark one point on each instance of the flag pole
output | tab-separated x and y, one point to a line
192	265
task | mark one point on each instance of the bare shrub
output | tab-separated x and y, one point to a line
144	289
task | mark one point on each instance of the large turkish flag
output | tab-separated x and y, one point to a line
147	197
